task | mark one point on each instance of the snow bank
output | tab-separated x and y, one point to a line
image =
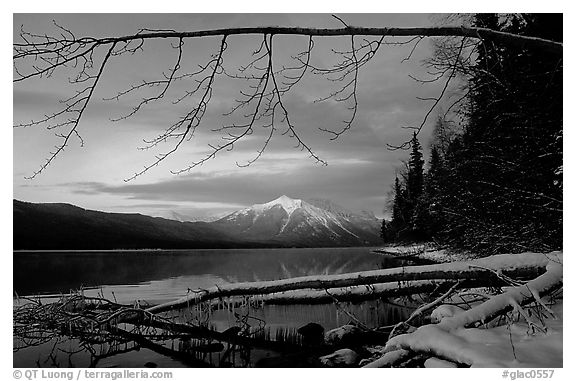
445	310
508	346
511	345
425	251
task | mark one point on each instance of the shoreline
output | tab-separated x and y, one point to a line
370	248
424	251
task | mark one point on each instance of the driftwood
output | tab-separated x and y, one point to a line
518	266
95	321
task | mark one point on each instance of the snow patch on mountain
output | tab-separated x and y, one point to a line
287	203
297	221
326	216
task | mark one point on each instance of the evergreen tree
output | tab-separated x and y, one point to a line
398	224
497	185
415	209
387	232
415	171
383	232
429	212
501	192
434	174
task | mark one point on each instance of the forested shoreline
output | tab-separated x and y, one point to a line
493	180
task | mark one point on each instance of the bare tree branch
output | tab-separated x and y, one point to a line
40	55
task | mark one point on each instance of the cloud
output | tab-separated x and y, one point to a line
357	184
360	169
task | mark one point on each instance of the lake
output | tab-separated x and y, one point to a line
157	276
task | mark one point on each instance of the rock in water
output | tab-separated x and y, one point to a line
347	335
341	358
312	334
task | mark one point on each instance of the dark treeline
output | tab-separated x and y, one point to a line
493	181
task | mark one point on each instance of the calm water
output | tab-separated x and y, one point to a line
158	276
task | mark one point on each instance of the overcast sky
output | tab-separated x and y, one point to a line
361	168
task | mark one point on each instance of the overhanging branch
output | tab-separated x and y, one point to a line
479	33
40	55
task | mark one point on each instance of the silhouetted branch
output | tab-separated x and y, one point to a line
40	55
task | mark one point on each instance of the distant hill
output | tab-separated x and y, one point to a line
64	226
284	222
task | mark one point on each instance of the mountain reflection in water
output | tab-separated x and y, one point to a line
158	276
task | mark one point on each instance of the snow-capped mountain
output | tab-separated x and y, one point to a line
295	222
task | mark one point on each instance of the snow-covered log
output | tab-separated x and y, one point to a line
518	266
355	293
434	362
452	340
390	359
550	281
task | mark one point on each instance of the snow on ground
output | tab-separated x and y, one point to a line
512	345
507	346
425	251
528	338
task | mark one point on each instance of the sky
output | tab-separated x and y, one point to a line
360	170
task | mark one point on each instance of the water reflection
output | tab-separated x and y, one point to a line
158	276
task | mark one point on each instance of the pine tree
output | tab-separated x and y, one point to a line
415	210
428	213
501	190
434	174
386	231
399	223
496	186
415	171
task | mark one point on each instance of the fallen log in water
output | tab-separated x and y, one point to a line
353	294
489	269
367	292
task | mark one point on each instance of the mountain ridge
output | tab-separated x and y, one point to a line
283	222
303	222
61	226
